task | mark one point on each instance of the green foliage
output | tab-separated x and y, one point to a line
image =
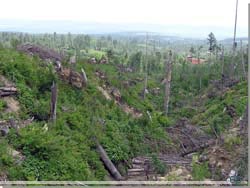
66	151
3	104
232	141
159	167
200	171
5	157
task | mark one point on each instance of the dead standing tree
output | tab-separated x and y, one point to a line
53	102
242	61
146	69
169	64
233	66
84	76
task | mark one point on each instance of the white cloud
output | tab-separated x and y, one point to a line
189	12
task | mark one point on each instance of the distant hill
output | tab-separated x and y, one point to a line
51	26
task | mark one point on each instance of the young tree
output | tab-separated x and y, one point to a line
212	42
192	51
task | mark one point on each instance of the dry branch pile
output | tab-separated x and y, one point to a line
42	52
190	138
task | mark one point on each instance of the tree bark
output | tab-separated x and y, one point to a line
7	91
53	102
108	163
85	80
146	69
242	61
235	26
168	82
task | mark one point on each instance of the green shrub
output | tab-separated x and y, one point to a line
3	105
200	171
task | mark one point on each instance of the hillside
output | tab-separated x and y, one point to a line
202	137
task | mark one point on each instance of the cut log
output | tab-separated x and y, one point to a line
108	163
7	91
135	170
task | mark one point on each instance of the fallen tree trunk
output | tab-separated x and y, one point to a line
108	163
7	91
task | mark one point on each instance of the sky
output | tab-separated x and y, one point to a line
218	13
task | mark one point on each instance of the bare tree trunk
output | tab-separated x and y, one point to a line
232	66
168	82
198	56
53	102
85	80
242	61
235	26
222	68
108	163
146	69
7	91
222	59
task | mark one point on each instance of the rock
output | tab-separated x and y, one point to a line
72	60
4	131
232	173
156	91
116	93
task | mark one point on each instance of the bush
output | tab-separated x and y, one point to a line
159	167
200	171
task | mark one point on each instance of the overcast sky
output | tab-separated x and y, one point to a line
166	12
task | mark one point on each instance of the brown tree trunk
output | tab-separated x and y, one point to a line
168	82
53	102
108	163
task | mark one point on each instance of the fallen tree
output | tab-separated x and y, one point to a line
7	91
108	163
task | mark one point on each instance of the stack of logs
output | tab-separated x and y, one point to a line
143	168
